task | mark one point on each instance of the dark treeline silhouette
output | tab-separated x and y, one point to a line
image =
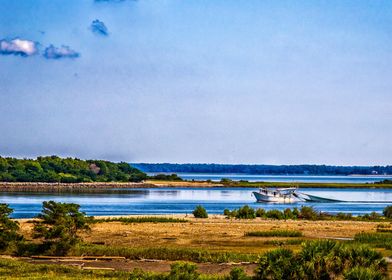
67	170
305	169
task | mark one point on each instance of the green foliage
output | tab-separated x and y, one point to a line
260	212
238	273
279	264
183	271
165	177
363	273
275	233
200	212
325	260
163	253
376	239
387	212
131	220
9	235
58	225
13	269
308	213
274	214
66	170
244	212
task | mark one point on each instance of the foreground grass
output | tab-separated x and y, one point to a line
375	239
12	269
131	220
163	253
275	233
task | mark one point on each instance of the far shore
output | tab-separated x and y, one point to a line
103	187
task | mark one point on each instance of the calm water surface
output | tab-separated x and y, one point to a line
181	201
284	178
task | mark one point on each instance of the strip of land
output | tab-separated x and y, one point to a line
108	187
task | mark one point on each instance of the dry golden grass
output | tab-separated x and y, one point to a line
216	233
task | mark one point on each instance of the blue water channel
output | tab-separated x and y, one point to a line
183	201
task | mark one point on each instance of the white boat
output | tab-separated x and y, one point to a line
281	195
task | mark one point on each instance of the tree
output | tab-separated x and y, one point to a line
8	228
200	212
58	225
388	212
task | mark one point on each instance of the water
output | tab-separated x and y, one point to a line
184	200
284	178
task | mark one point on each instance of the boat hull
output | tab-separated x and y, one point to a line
276	199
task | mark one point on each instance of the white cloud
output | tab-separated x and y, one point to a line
53	52
18	47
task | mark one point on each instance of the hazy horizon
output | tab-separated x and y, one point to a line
263	82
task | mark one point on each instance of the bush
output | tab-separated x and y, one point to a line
58	225
277	264
322	260
274	214
308	213
260	212
237	273
200	212
9	235
246	212
183	271
388	212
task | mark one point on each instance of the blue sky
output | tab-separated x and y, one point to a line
277	82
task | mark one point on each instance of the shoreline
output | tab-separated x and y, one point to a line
121	187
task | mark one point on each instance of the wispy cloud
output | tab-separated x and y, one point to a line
99	28
18	47
53	52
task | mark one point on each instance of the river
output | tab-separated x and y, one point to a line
183	200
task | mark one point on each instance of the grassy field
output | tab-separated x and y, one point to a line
152	245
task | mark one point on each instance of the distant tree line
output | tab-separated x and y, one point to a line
67	170
305	169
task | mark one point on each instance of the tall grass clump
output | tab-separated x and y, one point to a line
375	239
275	233
200	212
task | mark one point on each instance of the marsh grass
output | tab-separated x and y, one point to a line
131	220
275	233
12	269
375	239
163	253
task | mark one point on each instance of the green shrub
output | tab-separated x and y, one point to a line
260	212
200	212
308	213
237	273
274	214
183	271
277	264
9	236
387	212
322	259
275	233
246	212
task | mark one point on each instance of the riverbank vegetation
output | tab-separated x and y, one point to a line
67	170
262	169
303	213
275	233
